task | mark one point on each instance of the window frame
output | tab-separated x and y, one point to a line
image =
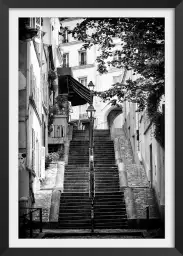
82	63
66	65
83	78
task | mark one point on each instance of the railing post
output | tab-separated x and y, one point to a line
92	216
147	216
24	227
30	223
40	215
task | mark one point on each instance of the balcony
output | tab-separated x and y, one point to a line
82	63
83	116
57	136
65	65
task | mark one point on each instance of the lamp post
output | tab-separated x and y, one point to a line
91	111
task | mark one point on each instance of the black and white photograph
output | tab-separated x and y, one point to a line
91	127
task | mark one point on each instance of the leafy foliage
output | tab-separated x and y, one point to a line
140	49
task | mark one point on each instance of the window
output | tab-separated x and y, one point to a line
83	81
65	36
66	60
82	58
36	23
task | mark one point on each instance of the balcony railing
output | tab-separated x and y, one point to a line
65	40
82	63
65	65
83	116
58	131
27	219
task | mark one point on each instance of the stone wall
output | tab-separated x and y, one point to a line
133	181
145	197
136	175
123	146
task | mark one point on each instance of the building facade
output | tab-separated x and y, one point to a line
36	58
84	68
147	151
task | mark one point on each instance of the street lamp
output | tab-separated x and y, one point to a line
91	86
90	112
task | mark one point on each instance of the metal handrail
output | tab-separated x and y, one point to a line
28	216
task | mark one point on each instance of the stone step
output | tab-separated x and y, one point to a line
73	218
110	220
107	211
110	168
106	185
103	165
106	161
104	151
76	172
74	184
76	221
72	167
107	179
70	185
68	180
76	153
75	200
76	175
76	190
110	225
102	174
81	156
102	138
74	209
107	144
107	189
104	158
75	226
71	206
108	195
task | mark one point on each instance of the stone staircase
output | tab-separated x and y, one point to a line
75	211
76	179
110	211
79	153
109	204
75	204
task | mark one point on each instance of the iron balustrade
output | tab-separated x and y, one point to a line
58	131
26	220
82	63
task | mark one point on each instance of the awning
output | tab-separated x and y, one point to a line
77	93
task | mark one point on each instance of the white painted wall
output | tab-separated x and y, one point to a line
33	120
101	82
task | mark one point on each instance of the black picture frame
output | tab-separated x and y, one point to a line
5	129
